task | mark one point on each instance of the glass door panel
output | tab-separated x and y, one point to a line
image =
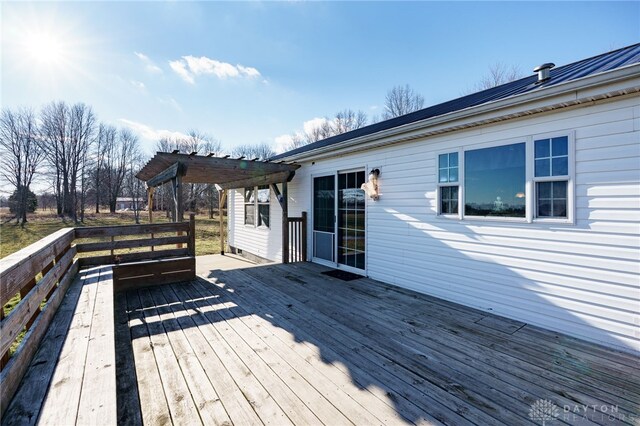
351	220
324	213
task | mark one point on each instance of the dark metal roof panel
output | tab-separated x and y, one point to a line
586	67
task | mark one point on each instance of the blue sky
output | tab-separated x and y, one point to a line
254	71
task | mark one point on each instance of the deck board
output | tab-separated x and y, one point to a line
283	344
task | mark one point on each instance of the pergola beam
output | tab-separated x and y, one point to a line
166	175
279	177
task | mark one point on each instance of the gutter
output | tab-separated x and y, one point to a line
446	122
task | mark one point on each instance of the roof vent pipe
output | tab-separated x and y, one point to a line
543	71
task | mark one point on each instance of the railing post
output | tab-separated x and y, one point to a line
304	236
192	234
285	223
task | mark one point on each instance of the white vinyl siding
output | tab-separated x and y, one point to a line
580	278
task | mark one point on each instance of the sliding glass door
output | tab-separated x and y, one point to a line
351	220
339	220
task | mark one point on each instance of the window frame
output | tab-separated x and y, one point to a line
569	178
530	181
258	204
254	205
440	185
246	203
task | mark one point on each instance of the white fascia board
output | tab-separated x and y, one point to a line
599	86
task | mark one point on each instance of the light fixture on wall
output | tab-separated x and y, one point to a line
371	187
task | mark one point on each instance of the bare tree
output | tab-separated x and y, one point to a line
118	154
106	138
342	122
401	100
498	74
348	120
134	187
261	151
21	154
67	134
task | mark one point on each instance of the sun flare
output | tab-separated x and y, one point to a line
44	48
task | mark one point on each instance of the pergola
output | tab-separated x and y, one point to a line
225	173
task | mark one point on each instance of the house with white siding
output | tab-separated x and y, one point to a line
522	200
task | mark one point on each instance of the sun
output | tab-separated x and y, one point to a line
44	48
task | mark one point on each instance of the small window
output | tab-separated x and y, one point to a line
551	175
249	207
447	175
264	195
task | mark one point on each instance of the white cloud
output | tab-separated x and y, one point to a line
189	66
148	132
168	100
282	143
310	125
149	65
180	68
138	84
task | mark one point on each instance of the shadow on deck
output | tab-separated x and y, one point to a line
284	344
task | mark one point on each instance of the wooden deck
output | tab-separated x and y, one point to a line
283	344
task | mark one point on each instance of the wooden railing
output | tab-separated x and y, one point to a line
298	238
42	273
52	259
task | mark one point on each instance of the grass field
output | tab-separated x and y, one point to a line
14	237
42	223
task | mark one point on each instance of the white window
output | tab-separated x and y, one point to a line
448	187
551	177
256	206
529	180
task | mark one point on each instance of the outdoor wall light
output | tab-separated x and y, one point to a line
371	187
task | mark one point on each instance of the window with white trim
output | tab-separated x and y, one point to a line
256	206
527	180
551	177
448	168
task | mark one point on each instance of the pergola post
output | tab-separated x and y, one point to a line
150	191
178	212
222	196
285	223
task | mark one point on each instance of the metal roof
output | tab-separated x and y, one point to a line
586	67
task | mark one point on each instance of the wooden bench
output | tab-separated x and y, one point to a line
148	273
72	377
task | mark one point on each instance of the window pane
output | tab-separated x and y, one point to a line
249	214
263	215
495	181
449	200
544	190
560	166
248	195
551	199
542	148
443	176
544	208
323	203
453	159
560	189
453	174
542	168
263	194
560	146
560	208
443	161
